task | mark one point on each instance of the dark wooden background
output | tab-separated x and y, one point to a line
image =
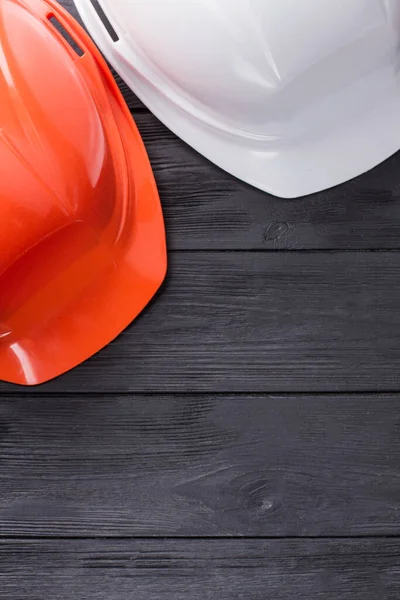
241	439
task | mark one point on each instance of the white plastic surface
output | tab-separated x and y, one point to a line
291	96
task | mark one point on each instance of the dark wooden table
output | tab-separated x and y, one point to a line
241	439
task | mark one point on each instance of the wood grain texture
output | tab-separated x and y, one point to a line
178	570
200	466
258	322
206	208
76	462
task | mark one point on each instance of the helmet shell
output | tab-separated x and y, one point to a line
79	208
293	97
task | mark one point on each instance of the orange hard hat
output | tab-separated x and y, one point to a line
82	241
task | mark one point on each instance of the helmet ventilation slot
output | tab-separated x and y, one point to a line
110	29
66	35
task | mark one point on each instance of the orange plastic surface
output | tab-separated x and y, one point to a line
82	241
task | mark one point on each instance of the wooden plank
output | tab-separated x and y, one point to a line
207	208
200	466
258	322
181	569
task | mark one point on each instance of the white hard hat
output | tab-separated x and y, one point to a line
292	96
